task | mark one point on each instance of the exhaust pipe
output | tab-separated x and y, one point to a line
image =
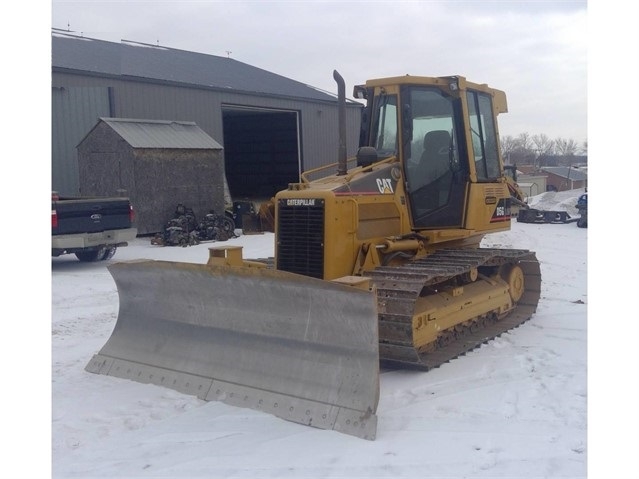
341	104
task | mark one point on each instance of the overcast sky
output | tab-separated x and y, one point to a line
533	50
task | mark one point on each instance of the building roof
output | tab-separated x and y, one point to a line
71	53
576	174
162	134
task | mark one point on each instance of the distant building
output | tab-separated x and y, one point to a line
271	128
532	185
534	181
562	178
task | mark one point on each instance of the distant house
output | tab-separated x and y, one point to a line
562	178
527	169
559	160
533	180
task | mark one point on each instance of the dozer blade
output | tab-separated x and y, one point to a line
300	348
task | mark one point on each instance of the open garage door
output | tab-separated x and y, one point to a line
261	151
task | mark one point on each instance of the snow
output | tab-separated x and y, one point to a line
556	201
514	408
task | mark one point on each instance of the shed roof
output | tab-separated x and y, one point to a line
158	63
162	134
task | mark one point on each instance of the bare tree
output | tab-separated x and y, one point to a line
508	146
566	147
566	150
523	141
540	150
543	147
521	152
584	148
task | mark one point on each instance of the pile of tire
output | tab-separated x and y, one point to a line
185	230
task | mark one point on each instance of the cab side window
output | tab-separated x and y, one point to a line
484	137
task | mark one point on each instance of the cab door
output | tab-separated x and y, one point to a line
435	176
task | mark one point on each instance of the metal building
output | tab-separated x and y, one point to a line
271	128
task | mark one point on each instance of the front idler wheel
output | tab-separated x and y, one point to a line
514	277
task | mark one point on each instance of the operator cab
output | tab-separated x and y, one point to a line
422	123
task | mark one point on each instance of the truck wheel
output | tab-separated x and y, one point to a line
581	223
91	255
108	254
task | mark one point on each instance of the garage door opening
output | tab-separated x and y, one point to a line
261	151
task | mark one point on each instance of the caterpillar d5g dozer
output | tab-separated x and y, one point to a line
377	263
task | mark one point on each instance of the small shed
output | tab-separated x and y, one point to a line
531	185
157	164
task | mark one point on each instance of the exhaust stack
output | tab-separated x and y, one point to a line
341	100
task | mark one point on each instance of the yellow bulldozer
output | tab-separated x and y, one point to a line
377	264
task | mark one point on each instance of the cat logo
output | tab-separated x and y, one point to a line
385	186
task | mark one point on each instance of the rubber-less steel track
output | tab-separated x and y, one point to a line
399	287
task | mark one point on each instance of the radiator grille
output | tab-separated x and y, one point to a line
300	237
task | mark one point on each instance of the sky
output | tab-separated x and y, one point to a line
518	407
536	50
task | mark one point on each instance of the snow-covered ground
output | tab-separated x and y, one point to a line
514	408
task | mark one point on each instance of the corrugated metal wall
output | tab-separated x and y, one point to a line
74	110
156	101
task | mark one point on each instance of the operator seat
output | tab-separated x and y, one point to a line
436	155
435	175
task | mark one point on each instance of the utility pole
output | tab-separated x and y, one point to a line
569	185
